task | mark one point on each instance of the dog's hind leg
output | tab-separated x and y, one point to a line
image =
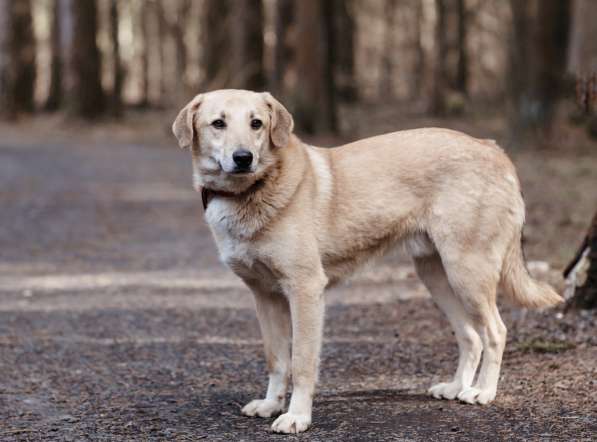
273	313
493	335
432	274
474	277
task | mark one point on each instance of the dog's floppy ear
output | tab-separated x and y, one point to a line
281	121
184	125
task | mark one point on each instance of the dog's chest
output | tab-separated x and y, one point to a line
247	263
245	260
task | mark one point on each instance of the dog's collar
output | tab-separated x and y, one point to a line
208	194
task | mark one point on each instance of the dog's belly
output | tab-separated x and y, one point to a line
340	265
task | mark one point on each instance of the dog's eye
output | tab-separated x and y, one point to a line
256	124
218	124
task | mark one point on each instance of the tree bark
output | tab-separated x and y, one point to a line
420	59
178	32
283	50
386	81
582	57
216	43
19	67
537	65
117	71
461	83
315	106
5	25
88	96
246	54
66	41
162	31
440	71
344	31
586	295
54	99
144	55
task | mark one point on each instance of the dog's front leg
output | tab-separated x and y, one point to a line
274	320
307	310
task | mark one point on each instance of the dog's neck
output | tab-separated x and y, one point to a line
208	194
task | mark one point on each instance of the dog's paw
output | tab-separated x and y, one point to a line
445	390
473	395
262	408
291	423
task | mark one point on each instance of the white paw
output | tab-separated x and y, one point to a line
291	423
262	408
473	395
445	390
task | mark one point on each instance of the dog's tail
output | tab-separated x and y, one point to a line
520	286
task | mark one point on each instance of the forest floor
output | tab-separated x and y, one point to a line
117	322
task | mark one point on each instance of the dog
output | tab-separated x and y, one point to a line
291	219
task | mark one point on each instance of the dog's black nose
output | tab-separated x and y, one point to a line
242	158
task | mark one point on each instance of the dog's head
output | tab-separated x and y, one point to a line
234	135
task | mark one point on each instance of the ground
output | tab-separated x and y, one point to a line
117	322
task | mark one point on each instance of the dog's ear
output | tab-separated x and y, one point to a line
281	121
184	125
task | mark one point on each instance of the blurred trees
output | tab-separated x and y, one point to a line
247	47
314	98
445	56
55	92
117	71
215	43
451	59
345	30
17	78
88	96
539	48
283	17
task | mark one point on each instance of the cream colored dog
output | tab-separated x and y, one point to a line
291	219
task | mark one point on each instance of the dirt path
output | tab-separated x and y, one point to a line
118	323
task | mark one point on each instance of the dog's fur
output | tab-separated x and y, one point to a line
305	217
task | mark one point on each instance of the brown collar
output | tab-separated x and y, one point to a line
208	194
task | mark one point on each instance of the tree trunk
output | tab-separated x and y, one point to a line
329	63
216	43
19	66
315	110
386	81
537	65
162	31
283	50
420	59
178	32
117	71
5	19
144	55
344	30
88	96
54	99
246	52
585	296
461	83
582	57
440	71
66	41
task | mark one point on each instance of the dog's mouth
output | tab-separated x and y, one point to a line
238	172
241	172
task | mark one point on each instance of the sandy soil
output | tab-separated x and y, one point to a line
117	322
